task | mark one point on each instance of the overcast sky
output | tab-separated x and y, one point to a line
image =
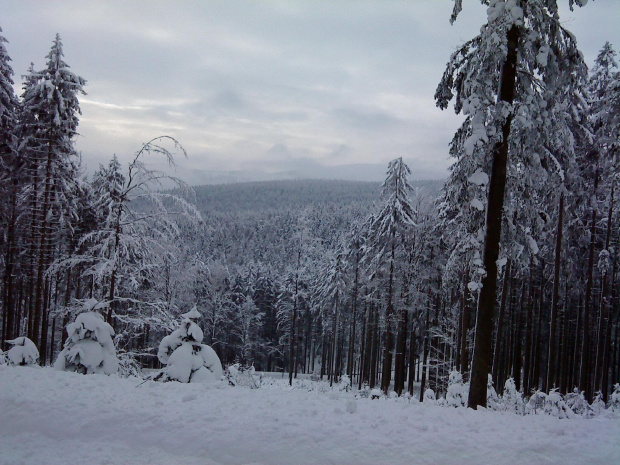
266	86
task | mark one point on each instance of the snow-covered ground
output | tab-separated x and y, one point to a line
50	417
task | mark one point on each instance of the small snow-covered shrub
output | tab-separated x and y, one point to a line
556	406
3	359
536	403
240	375
89	347
23	352
457	390
493	400
577	402
512	399
614	402
598	404
188	360
429	396
364	393
344	384
128	365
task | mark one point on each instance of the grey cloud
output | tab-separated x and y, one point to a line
290	85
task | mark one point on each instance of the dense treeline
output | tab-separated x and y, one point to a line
386	285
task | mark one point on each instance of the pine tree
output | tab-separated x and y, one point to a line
388	235
538	57
10	169
47	127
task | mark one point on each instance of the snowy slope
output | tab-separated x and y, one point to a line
51	417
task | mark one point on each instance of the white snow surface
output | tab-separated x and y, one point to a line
52	417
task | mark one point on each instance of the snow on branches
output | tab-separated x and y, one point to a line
89	347
188	360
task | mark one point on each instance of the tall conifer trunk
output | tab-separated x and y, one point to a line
585	369
552	363
483	347
605	304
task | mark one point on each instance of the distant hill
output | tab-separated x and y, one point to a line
368	172
293	195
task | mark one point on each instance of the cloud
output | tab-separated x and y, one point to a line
281	85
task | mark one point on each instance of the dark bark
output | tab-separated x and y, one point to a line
552	363
500	325
483	347
585	367
605	306
401	348
426	344
386	371
529	322
517	357
412	363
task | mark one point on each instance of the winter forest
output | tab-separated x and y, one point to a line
496	288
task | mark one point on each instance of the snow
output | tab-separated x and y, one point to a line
23	352
477	204
479	178
89	347
55	417
187	360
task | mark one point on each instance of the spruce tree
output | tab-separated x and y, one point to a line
47	128
9	184
504	106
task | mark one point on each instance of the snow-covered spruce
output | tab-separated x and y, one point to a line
89	347
188	360
457	390
23	352
493	400
513	399
614	403
429	396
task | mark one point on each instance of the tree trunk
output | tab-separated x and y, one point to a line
465	326
401	348
517	357
585	375
604	314
386	372
500	324
412	357
426	343
552	363
529	321
483	350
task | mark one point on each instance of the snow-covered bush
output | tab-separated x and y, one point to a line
598	404
128	365
364	393
512	399
188	360
429	396
344	384
577	402
457	390
614	402
89	347
493	400
3	359
240	375
23	352
536	403
556	406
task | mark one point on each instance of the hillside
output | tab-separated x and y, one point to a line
294	195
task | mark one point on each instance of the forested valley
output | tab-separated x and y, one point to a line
381	283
